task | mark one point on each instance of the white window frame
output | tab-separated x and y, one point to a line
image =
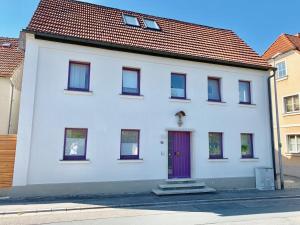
287	143
128	24
157	26
277	72
283	104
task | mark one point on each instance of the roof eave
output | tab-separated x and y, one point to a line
126	48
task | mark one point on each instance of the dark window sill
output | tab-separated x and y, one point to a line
249	159
153	29
179	99
218	159
130	96
215	101
130	160
83	161
77	92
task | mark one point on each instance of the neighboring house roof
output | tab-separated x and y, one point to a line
284	43
10	56
95	25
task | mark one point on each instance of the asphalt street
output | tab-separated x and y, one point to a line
266	211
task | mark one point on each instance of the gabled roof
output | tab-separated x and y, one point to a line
79	22
10	56
284	43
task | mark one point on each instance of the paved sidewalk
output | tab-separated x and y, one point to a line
10	206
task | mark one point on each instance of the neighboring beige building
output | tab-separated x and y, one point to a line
11	69
284	54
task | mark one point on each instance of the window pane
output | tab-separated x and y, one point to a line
296	103
129	143
151	24
244	88
130	82
288	104
178	86
281	69
75	142
215	145
131	20
294	143
79	76
246	146
214	90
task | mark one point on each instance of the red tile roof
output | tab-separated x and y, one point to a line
284	43
10	56
103	26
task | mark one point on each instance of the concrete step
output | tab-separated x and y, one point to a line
171	186
161	192
180	180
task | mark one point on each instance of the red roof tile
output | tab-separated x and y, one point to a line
103	25
10	56
284	43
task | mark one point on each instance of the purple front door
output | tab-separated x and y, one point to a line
179	154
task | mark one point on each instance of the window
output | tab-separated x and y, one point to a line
281	70
245	92
178	85
214	92
291	104
215	145
130	144
75	144
247	145
131	20
79	76
131	81
293	142
151	24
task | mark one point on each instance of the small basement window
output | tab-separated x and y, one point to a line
131	20
151	24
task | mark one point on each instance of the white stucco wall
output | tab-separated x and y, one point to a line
10	101
5	96
46	106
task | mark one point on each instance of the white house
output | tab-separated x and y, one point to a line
116	101
11	66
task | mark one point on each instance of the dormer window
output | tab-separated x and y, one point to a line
151	24
131	20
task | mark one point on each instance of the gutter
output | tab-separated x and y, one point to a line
132	49
278	130
271	126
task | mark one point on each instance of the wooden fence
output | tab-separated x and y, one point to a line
7	159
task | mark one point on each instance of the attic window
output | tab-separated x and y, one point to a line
151	24
131	20
6	44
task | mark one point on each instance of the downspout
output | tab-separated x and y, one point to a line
271	125
278	129
10	107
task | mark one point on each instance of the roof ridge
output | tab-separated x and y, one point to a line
9	38
270	46
159	17
289	40
288	36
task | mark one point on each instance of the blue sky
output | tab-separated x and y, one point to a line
258	22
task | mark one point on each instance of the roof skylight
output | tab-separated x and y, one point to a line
151	24
131	20
5	44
